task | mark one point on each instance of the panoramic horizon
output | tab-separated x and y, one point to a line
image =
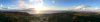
49	10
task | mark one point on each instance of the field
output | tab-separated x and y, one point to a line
68	16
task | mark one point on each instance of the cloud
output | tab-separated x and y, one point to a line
21	3
80	6
53	2
86	8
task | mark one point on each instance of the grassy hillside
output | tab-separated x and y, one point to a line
69	16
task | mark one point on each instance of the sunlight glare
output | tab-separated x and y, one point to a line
38	6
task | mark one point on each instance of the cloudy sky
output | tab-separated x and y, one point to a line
56	3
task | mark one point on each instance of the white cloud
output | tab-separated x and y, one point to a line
53	2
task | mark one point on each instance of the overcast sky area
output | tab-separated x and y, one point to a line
55	3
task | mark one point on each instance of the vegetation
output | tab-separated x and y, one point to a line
55	17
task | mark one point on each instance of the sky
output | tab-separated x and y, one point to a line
56	3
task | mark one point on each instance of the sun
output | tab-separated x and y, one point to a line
38	6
